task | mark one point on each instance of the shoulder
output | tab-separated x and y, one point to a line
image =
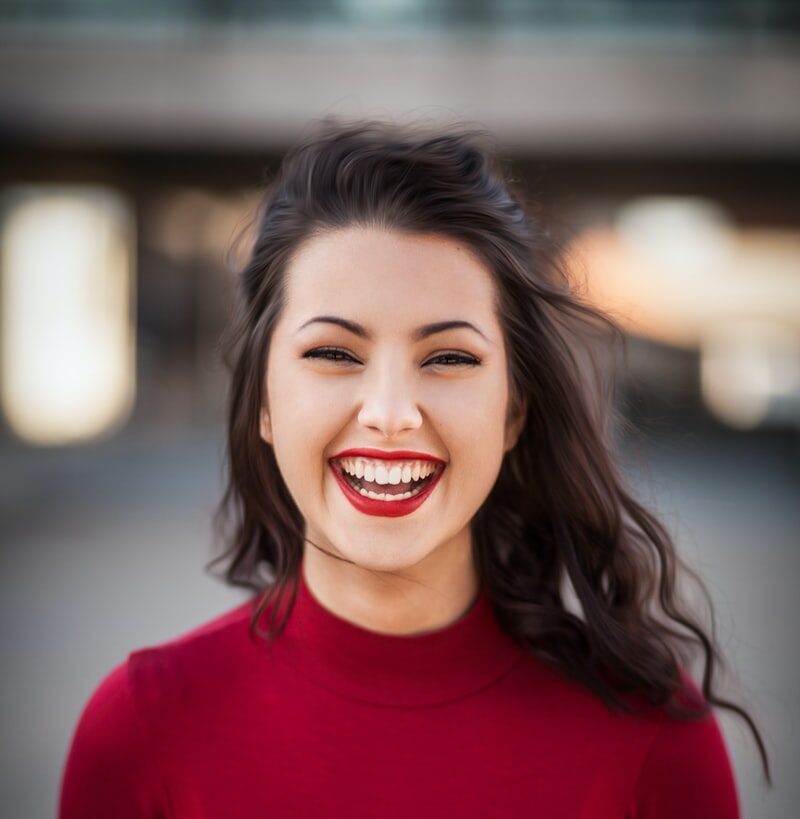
107	763
110	717
121	708
686	768
208	654
115	760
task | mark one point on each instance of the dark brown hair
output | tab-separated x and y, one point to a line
559	514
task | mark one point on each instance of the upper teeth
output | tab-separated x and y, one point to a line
384	472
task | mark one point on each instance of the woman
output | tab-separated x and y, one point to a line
419	481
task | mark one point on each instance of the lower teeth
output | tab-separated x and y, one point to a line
385	496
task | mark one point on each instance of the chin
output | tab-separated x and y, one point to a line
384	558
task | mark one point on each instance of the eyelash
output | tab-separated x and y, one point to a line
319	353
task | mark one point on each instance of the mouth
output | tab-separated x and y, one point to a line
392	499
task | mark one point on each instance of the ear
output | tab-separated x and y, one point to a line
515	424
265	427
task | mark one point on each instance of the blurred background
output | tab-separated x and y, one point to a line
662	137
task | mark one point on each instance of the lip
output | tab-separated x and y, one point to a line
392	455
389	509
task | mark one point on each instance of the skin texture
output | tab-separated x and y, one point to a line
415	573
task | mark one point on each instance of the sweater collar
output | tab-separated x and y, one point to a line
396	670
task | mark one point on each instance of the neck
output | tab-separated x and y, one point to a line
428	596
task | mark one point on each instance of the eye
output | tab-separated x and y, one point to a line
329	354
454	360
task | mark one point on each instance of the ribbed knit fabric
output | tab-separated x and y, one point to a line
335	720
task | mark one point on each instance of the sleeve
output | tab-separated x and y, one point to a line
106	772
688	773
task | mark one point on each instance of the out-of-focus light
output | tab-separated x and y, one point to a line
674	270
193	225
67	370
667	269
750	371
684	237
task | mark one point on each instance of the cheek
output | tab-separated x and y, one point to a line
472	417
295	400
475	437
305	421
303	428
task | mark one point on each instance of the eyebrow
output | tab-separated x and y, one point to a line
418	335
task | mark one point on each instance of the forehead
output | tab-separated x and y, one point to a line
366	272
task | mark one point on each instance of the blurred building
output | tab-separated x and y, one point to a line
663	136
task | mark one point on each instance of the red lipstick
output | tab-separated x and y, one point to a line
392	455
373	506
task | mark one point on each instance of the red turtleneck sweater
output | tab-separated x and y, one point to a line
334	720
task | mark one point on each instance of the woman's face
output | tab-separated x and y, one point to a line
389	390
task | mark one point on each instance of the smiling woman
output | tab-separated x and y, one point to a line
403	375
419	476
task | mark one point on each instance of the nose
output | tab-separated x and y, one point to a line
389	405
